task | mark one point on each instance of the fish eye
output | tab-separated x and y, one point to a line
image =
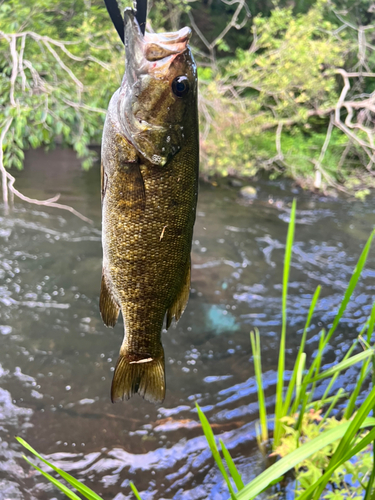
180	86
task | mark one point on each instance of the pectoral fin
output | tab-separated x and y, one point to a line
181	299
135	194
130	183
132	191
109	308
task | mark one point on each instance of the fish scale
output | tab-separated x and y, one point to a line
150	156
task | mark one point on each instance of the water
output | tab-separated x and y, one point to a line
56	356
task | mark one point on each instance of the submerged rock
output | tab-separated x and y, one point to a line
236	183
248	192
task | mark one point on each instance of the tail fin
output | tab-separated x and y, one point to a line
145	376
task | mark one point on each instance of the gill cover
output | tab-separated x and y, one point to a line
158	90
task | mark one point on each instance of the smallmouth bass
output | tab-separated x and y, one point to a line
149	179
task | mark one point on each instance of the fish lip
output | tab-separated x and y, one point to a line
141	50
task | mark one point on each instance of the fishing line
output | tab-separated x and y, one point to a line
141	8
118	21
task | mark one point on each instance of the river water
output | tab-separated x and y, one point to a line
57	358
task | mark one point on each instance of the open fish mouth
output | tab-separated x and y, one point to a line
150	111
152	53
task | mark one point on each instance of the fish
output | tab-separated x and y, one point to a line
149	187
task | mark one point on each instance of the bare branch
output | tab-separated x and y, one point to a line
78	105
20	63
318	164
242	5
64	67
18	68
13	51
5	127
233	22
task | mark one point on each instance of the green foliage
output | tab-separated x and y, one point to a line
347	481
291	52
285	77
262	434
215	452
270	106
60	63
166	15
59	67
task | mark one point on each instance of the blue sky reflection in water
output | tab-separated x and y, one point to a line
56	356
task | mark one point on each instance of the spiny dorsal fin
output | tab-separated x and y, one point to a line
144	375
108	307
181	299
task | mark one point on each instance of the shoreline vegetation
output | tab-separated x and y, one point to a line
286	90
316	447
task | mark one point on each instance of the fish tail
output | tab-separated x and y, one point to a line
139	374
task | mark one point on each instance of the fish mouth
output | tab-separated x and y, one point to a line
150	69
151	53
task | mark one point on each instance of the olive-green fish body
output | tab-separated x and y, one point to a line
149	193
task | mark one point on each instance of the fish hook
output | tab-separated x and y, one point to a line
140	6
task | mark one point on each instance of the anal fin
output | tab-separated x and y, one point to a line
108	307
181	299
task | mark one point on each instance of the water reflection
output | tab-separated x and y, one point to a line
57	358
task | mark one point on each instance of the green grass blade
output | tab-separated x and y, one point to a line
215	452
281	363
352	284
370	484
272	483
289	393
340	394
69	493
304	403
343	365
318	362
318	404
135	491
255	347
300	368
236	476
278	469
307	377
371	324
349	291
349	410
333	379
325	397
80	487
